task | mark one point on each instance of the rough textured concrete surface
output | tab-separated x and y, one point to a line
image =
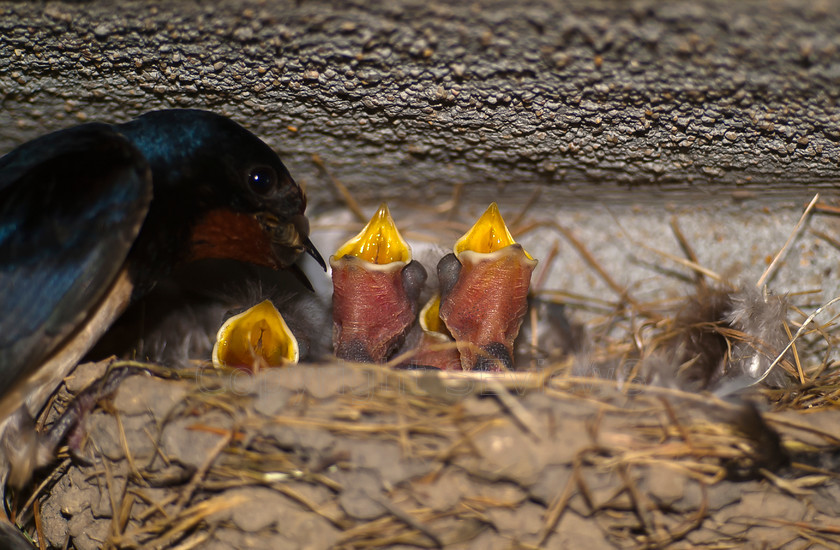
406	98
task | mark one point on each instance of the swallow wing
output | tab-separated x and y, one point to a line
71	205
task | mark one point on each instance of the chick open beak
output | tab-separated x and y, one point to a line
484	288
430	320
436	348
379	243
375	288
489	234
256	338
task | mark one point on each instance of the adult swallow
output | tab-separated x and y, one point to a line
92	216
484	292
376	285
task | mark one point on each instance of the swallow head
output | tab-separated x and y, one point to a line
255	339
375	289
234	193
484	292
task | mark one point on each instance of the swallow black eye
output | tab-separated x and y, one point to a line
262	180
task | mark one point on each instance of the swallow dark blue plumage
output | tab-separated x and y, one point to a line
100	210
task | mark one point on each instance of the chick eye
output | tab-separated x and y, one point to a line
262	180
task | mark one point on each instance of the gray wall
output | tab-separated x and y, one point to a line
405	98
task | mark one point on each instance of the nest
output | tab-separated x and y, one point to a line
354	456
603	442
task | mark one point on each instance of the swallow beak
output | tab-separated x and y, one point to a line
310	249
436	348
255	339
484	287
375	289
290	239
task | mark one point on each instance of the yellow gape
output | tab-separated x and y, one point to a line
430	316
379	242
254	339
489	234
